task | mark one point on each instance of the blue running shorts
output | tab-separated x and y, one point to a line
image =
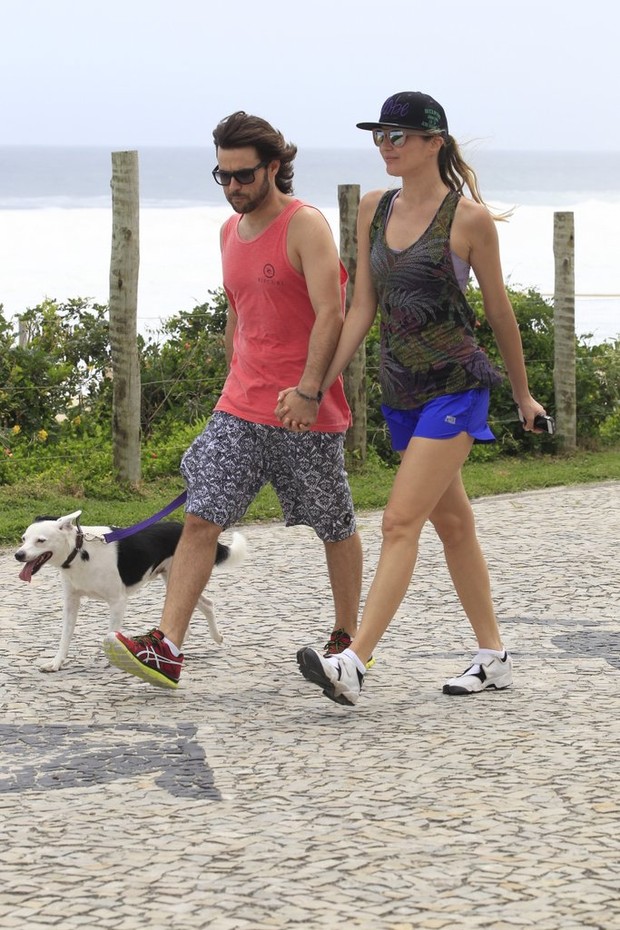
441	418
232	459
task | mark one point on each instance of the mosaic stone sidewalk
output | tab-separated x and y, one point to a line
246	801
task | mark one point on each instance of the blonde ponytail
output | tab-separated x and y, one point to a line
457	174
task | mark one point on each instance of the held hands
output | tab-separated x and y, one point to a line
297	411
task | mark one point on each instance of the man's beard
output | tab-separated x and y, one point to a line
242	204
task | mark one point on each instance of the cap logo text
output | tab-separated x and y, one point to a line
393	108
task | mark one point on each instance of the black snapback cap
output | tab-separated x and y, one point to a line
411	110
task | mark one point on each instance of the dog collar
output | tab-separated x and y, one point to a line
79	541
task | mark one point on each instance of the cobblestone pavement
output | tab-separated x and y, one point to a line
247	801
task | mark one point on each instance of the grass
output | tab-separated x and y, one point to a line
21	503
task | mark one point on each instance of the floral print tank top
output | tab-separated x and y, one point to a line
428	346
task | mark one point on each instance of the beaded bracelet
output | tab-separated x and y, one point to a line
308	397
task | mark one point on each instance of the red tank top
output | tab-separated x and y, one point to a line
274	320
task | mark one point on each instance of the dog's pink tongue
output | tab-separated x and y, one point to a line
26	572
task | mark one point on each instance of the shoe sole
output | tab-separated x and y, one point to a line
122	658
312	670
456	689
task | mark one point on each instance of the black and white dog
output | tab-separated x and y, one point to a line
108	571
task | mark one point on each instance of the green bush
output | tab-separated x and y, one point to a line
162	451
597	374
183	369
56	393
535	318
58	369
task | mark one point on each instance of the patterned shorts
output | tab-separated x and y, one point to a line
232	459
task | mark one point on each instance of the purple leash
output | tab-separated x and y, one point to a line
130	530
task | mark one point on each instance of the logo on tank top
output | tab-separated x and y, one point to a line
269	276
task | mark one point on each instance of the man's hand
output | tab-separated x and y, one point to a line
295	412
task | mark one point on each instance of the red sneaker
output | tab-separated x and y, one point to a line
148	657
338	641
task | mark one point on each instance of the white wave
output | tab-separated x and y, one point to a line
65	253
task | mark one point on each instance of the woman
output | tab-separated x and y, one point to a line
416	246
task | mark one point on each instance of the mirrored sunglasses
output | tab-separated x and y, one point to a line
396	137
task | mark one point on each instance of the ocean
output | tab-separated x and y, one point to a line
56	221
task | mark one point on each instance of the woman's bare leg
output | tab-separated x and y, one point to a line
427	470
453	519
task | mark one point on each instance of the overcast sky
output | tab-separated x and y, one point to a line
513	74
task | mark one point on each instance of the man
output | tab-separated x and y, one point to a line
285	286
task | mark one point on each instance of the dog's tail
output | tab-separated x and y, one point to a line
233	555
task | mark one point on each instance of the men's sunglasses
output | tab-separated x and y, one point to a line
396	137
243	176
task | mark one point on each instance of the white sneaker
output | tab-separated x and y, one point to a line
339	676
485	672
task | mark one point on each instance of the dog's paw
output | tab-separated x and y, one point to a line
53	666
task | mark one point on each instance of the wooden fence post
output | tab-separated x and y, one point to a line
355	373
124	265
22	333
564	364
